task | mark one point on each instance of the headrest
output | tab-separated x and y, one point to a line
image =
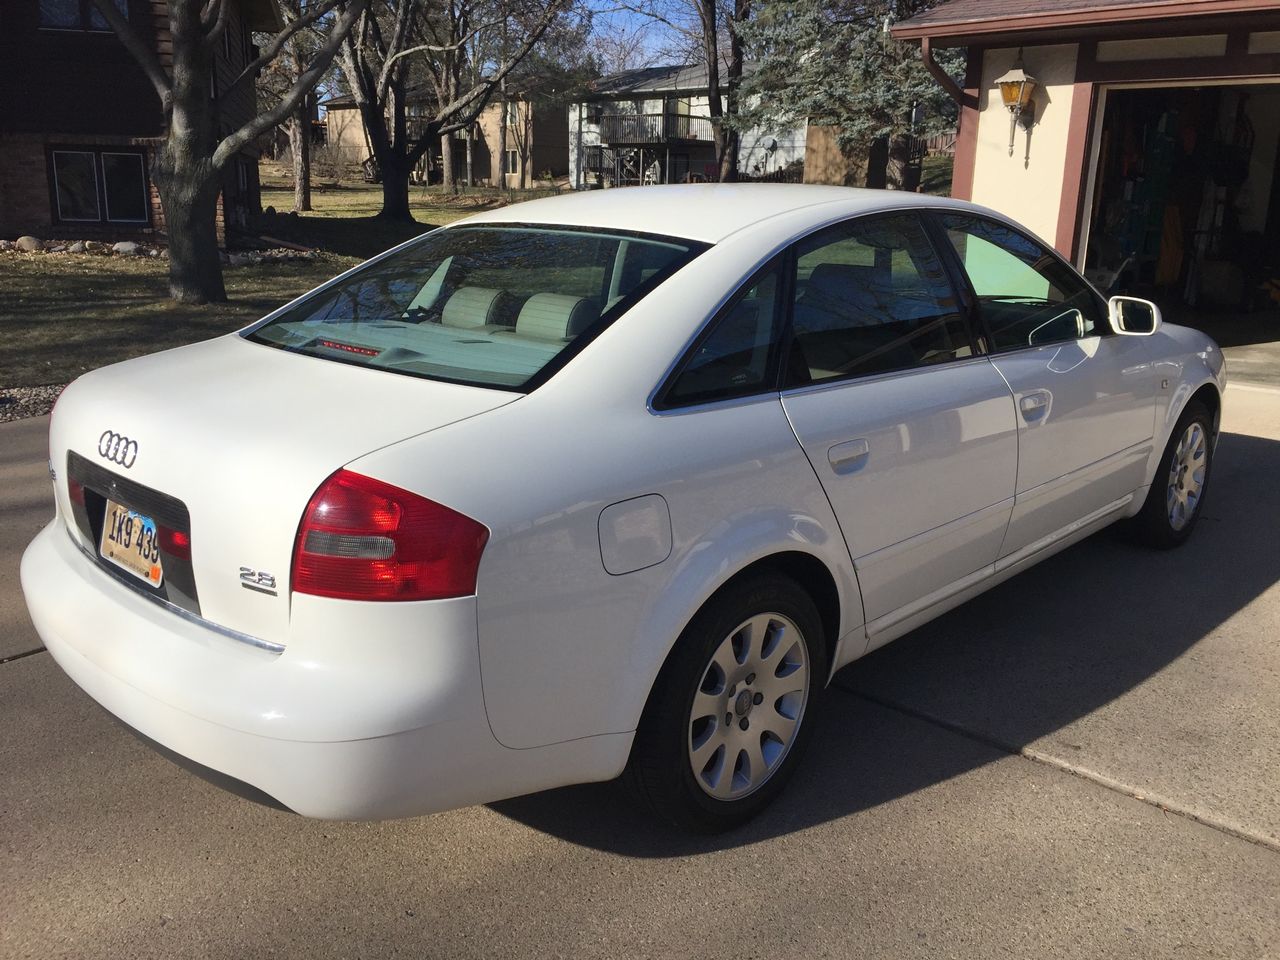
470	307
555	316
843	280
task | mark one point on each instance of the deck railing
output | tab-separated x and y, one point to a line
653	128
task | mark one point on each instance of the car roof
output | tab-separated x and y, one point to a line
708	212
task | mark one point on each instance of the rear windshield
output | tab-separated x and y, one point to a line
495	306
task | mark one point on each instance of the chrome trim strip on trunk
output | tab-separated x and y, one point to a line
180	612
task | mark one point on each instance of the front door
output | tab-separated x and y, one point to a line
1085	397
911	432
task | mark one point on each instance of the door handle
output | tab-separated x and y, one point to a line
1035	405
849	457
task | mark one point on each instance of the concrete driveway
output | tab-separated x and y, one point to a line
1084	762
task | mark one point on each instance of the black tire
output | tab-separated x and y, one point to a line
1154	525
661	765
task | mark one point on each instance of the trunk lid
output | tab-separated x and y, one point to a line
240	435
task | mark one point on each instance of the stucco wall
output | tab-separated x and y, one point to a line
346	134
1027	189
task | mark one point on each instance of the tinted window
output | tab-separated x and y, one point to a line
486	305
1026	295
738	354
871	296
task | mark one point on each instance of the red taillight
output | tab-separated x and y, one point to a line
362	539
174	542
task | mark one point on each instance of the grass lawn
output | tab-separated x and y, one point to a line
344	216
62	314
935	178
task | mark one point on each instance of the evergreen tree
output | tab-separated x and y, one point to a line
833	63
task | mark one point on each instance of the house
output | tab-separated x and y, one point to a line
79	120
653	125
536	140
1141	139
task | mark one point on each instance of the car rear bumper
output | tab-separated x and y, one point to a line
372	711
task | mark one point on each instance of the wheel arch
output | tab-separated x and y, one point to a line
810	572
1207	394
812	576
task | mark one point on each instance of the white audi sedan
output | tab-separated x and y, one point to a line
600	483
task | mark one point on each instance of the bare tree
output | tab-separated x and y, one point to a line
420	47
275	81
189	164
708	31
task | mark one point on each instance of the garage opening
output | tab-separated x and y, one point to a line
1185	207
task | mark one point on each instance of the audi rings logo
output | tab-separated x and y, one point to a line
117	448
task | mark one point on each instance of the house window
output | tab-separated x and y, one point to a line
75	178
513	113
100	186
125	182
512	164
77	15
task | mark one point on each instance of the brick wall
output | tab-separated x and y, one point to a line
26	201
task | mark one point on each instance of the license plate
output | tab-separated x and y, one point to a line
130	541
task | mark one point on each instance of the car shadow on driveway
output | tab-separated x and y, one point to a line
1018	663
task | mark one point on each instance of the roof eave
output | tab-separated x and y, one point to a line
966	32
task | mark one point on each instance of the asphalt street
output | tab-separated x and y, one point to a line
1083	762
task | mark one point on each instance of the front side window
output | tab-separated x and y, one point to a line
1026	296
872	296
739	353
487	305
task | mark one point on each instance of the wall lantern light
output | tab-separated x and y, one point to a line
1016	89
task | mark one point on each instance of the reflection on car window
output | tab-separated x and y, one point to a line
871	296
486	305
1026	295
737	355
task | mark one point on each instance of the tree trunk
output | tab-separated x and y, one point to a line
899	172
395	190
731	138
502	141
190	215
469	182
707	12
878	163
300	148
446	163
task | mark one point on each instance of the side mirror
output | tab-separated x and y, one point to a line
1132	317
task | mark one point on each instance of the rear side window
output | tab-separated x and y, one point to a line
872	296
488	305
1026	295
738	355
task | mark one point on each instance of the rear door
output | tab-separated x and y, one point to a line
1085	396
910	430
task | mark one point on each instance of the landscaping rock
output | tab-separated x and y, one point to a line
58	249
16	403
28	244
127	248
78	247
